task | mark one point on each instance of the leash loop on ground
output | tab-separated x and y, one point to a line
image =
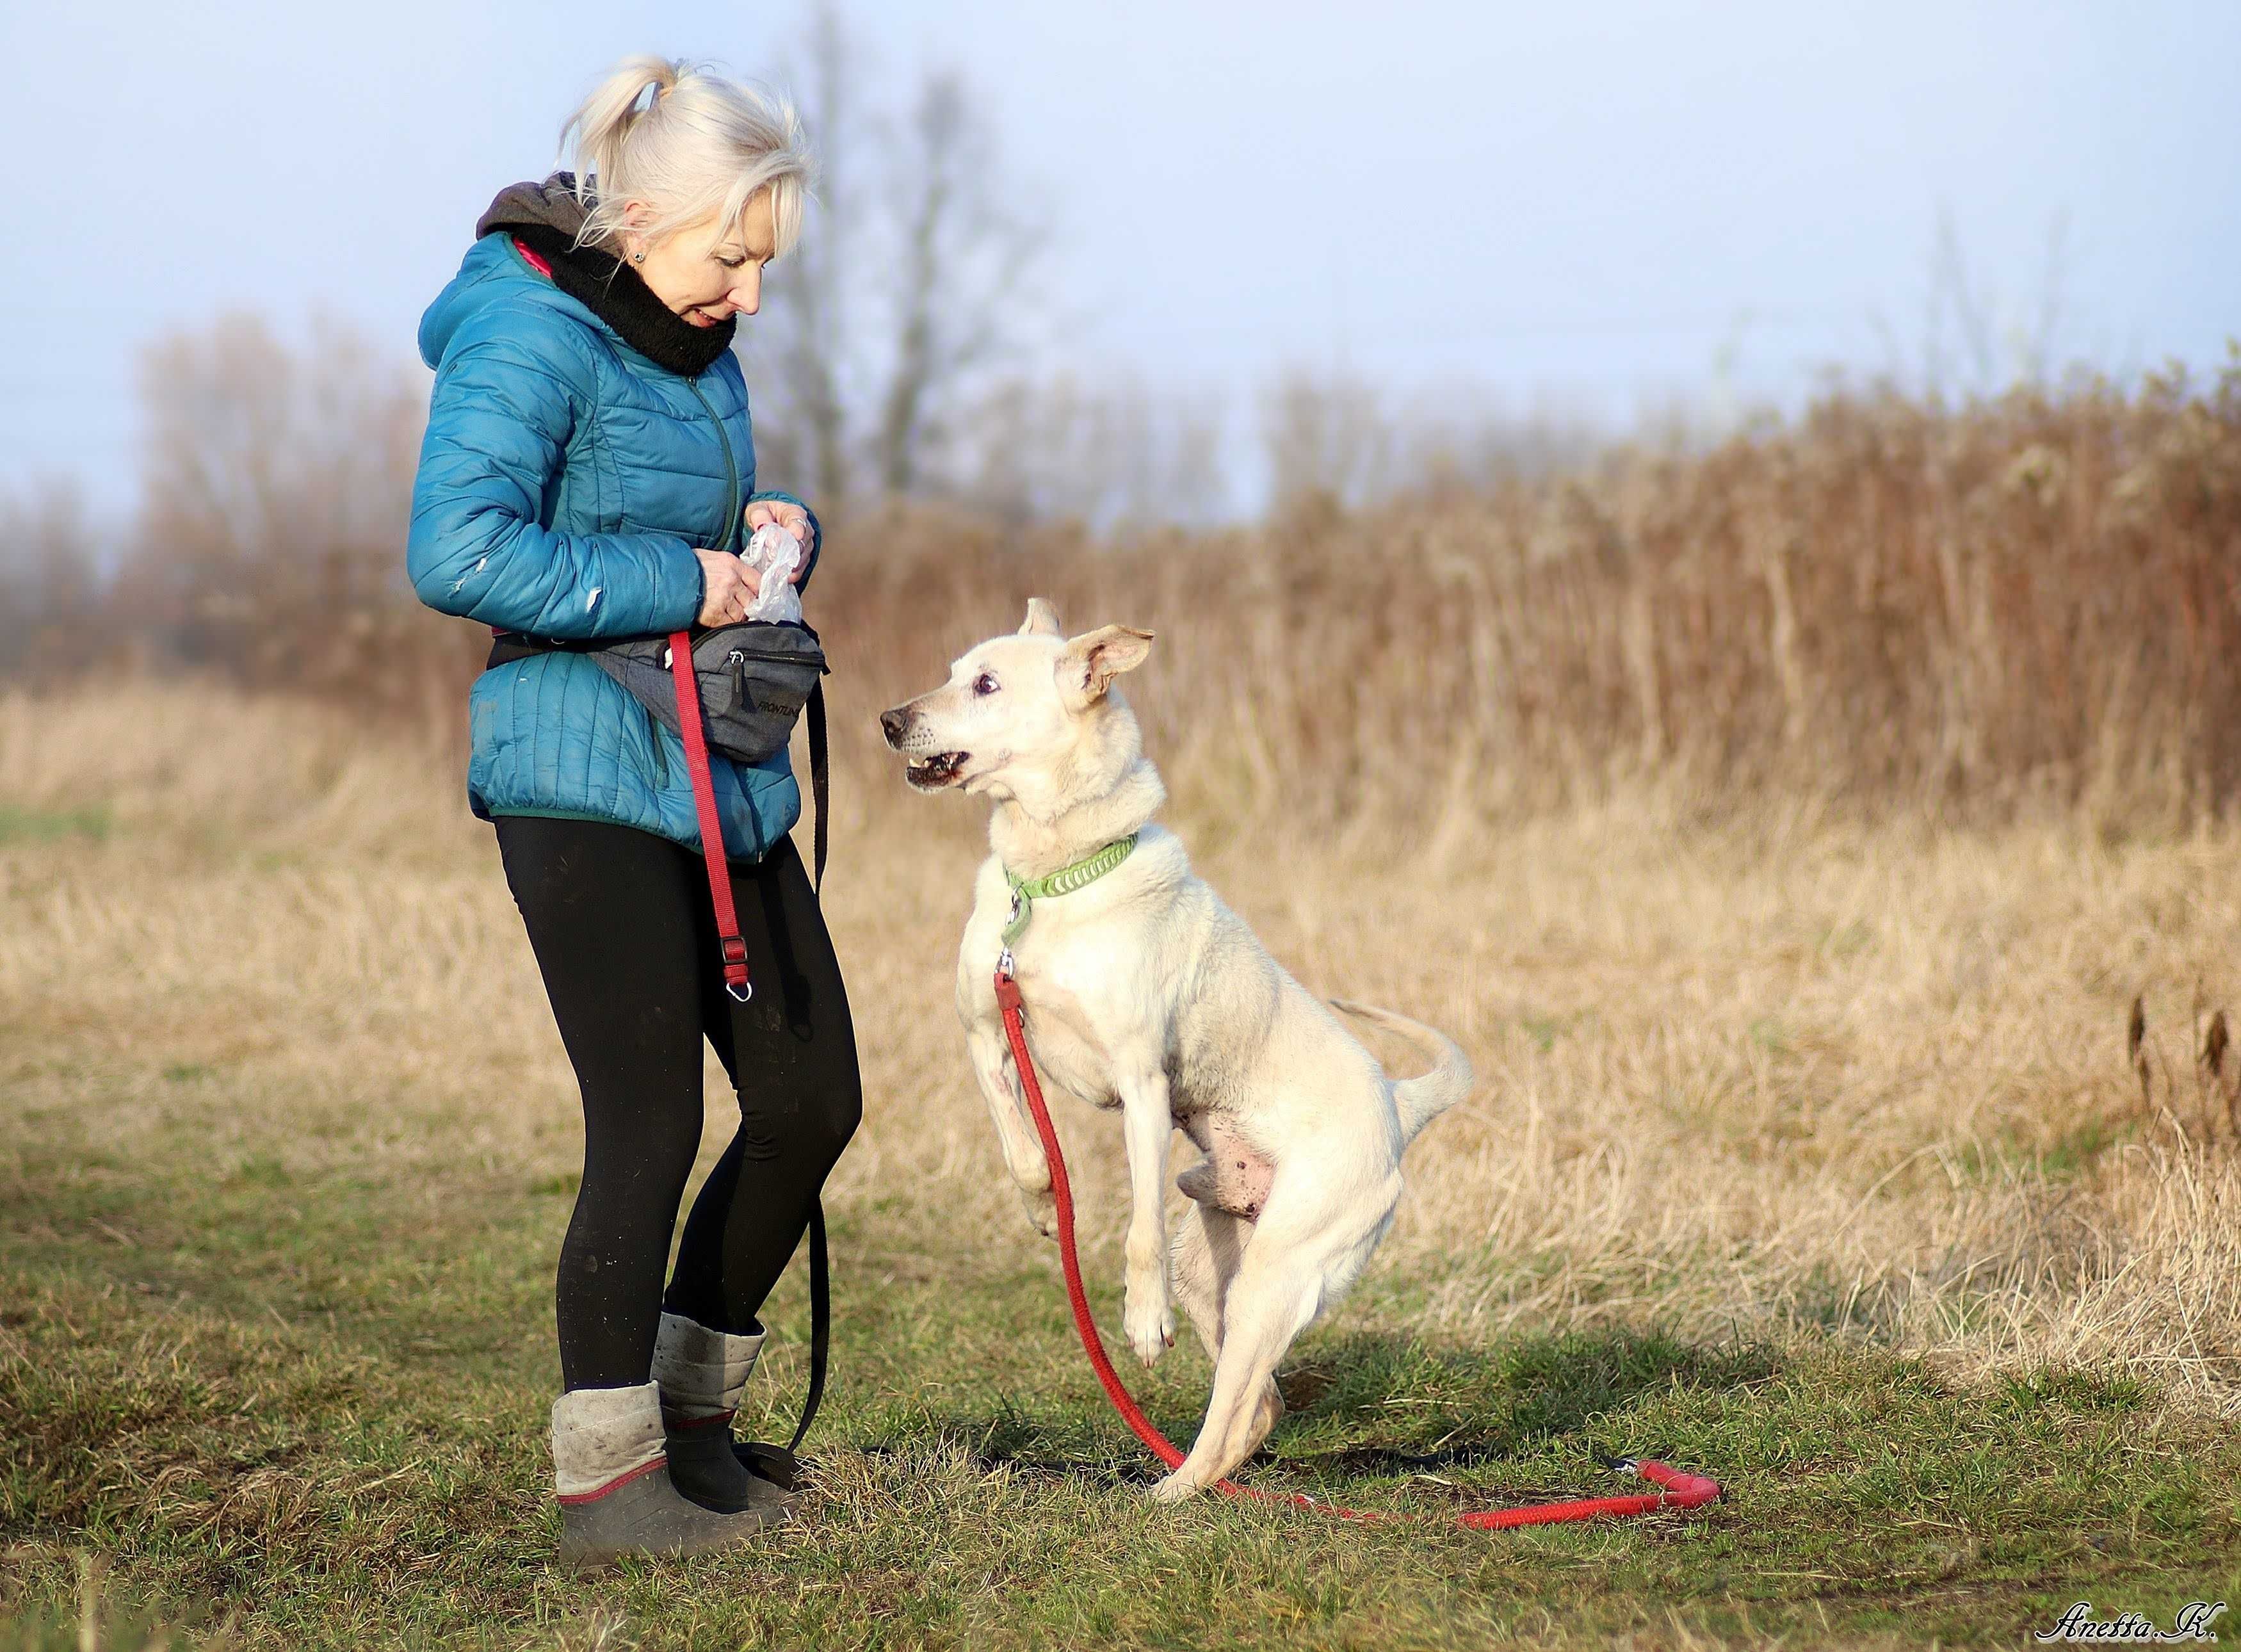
1676	1488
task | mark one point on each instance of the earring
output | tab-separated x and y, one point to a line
637	257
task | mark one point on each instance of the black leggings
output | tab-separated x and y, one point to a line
625	937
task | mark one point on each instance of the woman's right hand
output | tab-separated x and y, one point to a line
727	586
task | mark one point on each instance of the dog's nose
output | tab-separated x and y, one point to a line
893	723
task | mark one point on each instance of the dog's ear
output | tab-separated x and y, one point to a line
1091	661
1042	620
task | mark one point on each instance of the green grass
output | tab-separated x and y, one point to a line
48	825
2069	1155
273	1401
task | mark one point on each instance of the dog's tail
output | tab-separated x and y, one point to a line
1422	1099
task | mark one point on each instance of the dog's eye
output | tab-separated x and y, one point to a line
984	684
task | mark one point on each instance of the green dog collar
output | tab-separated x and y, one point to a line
1027	891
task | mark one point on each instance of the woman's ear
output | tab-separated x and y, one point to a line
636	216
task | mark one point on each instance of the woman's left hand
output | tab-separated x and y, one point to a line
791	518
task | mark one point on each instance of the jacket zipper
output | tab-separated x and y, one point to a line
731	469
772	657
731	508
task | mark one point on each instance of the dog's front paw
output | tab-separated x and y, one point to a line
1175	1489
1151	1324
1042	1210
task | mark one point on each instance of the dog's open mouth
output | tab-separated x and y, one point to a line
932	773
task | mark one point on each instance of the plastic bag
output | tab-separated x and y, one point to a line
776	553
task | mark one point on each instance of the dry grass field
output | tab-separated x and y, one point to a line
1790	830
1807	1151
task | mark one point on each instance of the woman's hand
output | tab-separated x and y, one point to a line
727	586
791	518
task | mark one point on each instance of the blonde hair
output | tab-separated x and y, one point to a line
701	144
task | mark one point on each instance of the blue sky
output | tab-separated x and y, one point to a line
1599	208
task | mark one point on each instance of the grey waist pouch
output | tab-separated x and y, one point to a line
754	677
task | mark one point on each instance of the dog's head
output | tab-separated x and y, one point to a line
1019	707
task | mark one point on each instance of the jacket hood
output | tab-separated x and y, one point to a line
551	204
544	217
490	273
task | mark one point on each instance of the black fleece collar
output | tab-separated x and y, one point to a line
613	291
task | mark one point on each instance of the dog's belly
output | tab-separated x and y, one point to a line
1233	1176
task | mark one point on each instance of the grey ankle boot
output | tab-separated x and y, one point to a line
701	1374
613	1481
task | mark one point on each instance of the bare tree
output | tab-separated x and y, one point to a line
1973	343
1103	453
1327	439
909	292
800	334
1956	301
276	484
963	256
1459	439
50	581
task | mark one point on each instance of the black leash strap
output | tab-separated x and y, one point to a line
820	1323
821	1263
779	1464
820	783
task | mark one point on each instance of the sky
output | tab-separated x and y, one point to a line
1595	209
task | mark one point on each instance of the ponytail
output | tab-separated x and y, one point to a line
687	143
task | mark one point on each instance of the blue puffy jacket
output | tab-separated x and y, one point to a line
563	483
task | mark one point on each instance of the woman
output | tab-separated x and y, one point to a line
588	474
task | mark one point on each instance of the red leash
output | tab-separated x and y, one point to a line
1678	1490
711	830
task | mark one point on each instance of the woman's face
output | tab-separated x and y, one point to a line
706	276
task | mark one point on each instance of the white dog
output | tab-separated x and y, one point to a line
1144	992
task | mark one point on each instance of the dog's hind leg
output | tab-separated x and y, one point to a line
1264	1316
1209	1245
1301	1258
